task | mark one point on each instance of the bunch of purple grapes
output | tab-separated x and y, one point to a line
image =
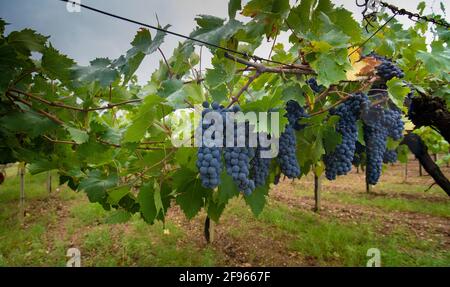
339	162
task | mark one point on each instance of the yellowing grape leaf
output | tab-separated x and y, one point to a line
361	68
354	56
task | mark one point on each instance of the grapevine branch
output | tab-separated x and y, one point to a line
24	75
235	98
325	93
166	62
199	80
420	150
330	107
56	141
64	106
293	69
42	112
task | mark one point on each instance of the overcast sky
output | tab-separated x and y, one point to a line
87	35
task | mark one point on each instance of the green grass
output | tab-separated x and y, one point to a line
35	186
397	204
66	219
42	238
390	203
331	242
410	188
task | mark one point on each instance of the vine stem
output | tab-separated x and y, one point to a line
207	230
373	34
273	46
235	98
325	93
42	112
293	69
24	75
332	106
166	62
61	105
103	142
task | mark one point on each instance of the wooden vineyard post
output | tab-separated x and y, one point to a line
49	182
368	185
317	189
2	174
406	171
22	189
208	230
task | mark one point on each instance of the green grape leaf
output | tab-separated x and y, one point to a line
214	209
300	16
117	193
41	165
227	188
95	153
403	152
77	135
142	45
118	216
314	139
143	42
313	17
268	13
213	30
96	184
187	94
219	94
421	6
391	144
233	7
142	119
361	132
331	139
169	87
27	122
157	198
190	192
183	58
43	88
27	41
441	5
8	63
146	200
293	91
343	19
329	71
257	200
56	65
436	61
217	76
99	71
397	91
186	157
166	196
